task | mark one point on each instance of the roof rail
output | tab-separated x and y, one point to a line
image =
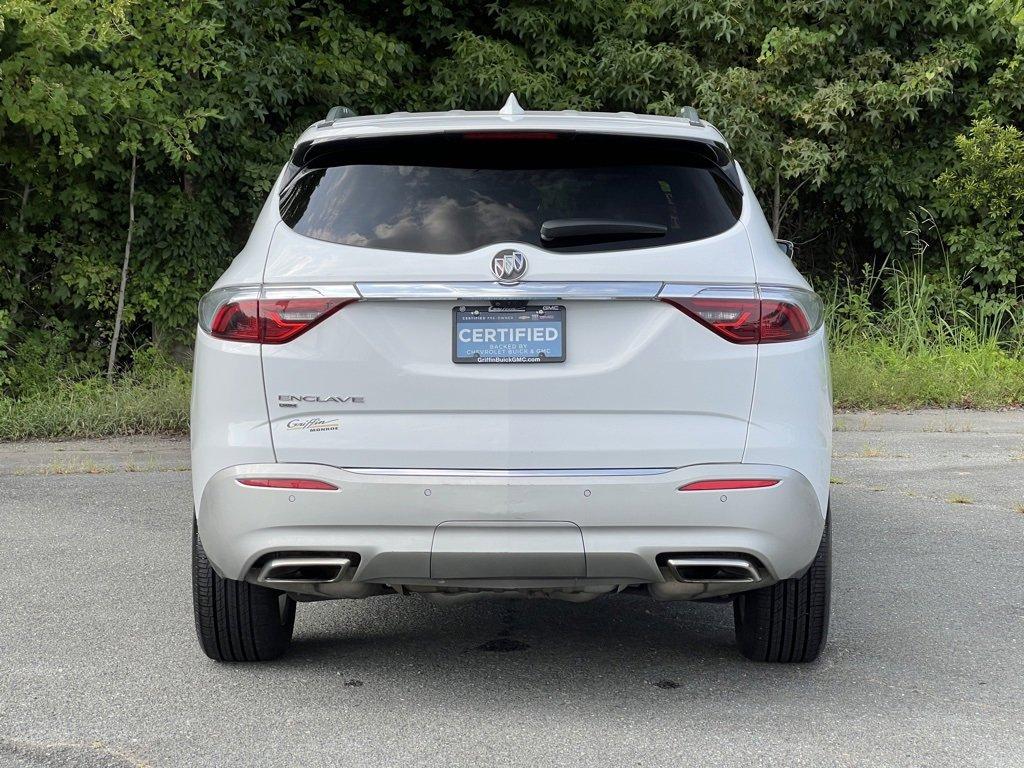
690	113
337	113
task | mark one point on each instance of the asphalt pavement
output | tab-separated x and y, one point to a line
925	663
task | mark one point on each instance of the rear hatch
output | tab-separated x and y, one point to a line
451	243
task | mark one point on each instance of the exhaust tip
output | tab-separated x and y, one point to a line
304	570
713	570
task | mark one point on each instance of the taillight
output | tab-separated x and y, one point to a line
240	315
737	320
782	321
774	315
238	321
282	320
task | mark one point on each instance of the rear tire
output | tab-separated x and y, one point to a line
788	621
235	620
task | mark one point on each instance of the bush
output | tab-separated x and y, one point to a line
984	196
904	337
912	309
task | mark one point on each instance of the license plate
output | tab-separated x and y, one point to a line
502	335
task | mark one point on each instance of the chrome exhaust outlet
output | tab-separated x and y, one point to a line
713	570
304	570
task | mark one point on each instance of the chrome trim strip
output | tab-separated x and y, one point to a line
307	290
468	290
456	291
711	290
453	291
633	472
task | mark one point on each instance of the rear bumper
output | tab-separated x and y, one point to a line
606	529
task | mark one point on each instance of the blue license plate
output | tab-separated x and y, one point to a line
503	335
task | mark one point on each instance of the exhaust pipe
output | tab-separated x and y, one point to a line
713	570
304	570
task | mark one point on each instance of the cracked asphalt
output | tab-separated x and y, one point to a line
924	667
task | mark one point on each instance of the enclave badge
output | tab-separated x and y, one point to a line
509	266
291	401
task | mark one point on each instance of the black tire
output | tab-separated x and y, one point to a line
788	621
235	620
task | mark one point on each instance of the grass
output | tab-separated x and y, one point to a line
89	467
154	403
76	467
876	374
867	452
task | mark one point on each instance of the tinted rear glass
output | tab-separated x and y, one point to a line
455	193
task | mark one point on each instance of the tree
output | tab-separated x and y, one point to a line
843	115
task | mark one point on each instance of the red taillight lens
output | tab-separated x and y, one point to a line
287	482
271	321
727	485
747	320
782	321
734	319
238	321
284	319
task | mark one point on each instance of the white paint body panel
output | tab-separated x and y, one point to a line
229	414
643	386
627	396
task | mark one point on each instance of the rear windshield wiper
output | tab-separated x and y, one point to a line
596	230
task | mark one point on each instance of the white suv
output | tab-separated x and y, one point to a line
546	354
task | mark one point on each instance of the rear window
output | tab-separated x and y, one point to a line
452	193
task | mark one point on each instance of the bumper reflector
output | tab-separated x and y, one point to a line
292	483
726	485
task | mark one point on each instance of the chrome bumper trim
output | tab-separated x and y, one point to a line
629	472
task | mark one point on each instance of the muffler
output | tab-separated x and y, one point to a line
717	570
697	577
303	570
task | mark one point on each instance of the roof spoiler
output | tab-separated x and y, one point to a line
717	151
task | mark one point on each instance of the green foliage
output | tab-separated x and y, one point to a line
878	375
903	336
845	115
985	194
152	399
913	310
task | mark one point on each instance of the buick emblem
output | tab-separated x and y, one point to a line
509	266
